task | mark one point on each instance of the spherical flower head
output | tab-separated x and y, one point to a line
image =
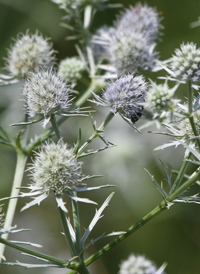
185	63
160	98
125	96
129	52
140	19
45	94
138	265
71	69
55	169
29	53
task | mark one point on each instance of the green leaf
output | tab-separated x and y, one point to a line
96	218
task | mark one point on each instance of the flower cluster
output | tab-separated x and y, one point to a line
71	69
139	265
45	94
29	53
160	99
125	96
185	63
131	45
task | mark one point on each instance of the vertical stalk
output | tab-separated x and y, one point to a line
190	112
19	172
76	221
55	126
68	238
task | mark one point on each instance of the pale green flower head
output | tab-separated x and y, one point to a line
71	69
160	98
185	126
185	63
139	265
28	54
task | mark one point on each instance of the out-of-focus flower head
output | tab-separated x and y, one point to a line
71	69
139	265
141	19
29	53
130	44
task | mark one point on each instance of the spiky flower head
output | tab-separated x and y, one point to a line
56	169
125	96
71	69
129	51
29	53
139	265
141	19
45	94
131	45
185	63
160	98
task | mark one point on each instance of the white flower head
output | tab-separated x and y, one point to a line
139	265
71	70
29	53
45	94
185	63
56	169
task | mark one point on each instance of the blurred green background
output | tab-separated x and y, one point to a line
172	237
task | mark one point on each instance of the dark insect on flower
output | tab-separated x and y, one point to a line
137	115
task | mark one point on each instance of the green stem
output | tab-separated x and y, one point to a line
163	205
19	172
68	238
190	112
181	174
34	253
76	221
96	132
55	126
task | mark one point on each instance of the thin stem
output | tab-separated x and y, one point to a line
19	172
163	205
55	126
68	238
181	174
76	221
96	133
34	253
190	111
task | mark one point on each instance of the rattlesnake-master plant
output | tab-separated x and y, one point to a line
111	63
